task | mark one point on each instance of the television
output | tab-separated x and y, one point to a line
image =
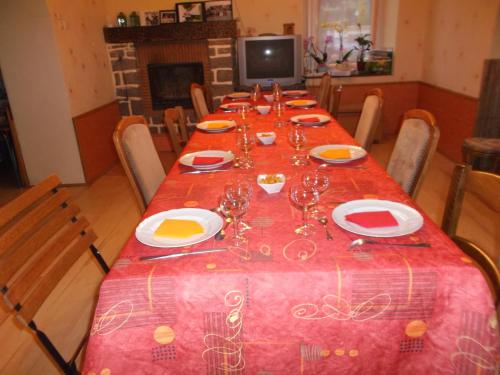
264	59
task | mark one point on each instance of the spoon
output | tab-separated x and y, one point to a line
324	221
220	235
362	241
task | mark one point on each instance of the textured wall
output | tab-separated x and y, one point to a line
77	26
460	36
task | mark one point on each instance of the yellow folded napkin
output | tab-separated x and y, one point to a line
336	153
176	228
217	125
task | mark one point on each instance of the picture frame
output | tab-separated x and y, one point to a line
190	12
150	18
168	16
219	10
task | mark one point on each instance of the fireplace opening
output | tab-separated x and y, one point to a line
170	83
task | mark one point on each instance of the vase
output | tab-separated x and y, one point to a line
361	65
322	68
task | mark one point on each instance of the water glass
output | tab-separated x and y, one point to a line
297	139
304	199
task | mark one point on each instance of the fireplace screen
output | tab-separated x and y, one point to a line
170	83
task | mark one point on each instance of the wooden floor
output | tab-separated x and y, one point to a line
110	207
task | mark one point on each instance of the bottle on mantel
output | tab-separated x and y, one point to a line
121	20
134	19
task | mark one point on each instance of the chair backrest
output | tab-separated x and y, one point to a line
324	91
334	100
175	122
41	237
199	100
414	148
369	118
139	158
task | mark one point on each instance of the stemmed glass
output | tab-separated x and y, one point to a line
245	141
316	182
304	199
279	108
243	111
240	189
297	138
235	207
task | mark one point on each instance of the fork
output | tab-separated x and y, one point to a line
362	241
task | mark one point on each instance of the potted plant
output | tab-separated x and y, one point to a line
364	44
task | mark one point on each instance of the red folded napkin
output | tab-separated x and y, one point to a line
207	160
309	119
234	106
373	219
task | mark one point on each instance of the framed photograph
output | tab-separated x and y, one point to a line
150	18
219	10
190	12
168	16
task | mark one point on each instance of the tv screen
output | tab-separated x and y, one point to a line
269	58
275	58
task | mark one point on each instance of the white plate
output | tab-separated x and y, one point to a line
187	159
409	219
356	153
323	119
210	221
295	93
301	103
204	126
233	107
238	95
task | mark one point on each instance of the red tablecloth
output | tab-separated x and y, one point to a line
289	305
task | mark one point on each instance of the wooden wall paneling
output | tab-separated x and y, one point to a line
455	114
488	115
94	133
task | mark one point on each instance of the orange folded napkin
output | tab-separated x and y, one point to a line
176	228
309	119
207	160
336	153
300	102
217	125
373	219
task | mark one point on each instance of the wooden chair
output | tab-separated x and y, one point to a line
414	148
199	100
334	100
41	237
369	119
175	122
139	158
324	91
485	187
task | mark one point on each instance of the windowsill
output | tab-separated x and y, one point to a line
353	74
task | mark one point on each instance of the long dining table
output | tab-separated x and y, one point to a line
287	304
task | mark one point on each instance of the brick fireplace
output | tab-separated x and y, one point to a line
132	49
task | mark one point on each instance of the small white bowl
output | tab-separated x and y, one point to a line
263	109
271	188
266	138
269	98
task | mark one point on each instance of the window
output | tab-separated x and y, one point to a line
340	22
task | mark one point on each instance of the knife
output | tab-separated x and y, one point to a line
199	171
177	255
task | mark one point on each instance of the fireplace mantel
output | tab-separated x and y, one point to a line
171	32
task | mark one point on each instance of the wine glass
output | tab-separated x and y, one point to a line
279	109
245	141
235	208
316	182
297	138
240	189
304	199
243	111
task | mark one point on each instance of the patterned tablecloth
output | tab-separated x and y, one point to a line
290	305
